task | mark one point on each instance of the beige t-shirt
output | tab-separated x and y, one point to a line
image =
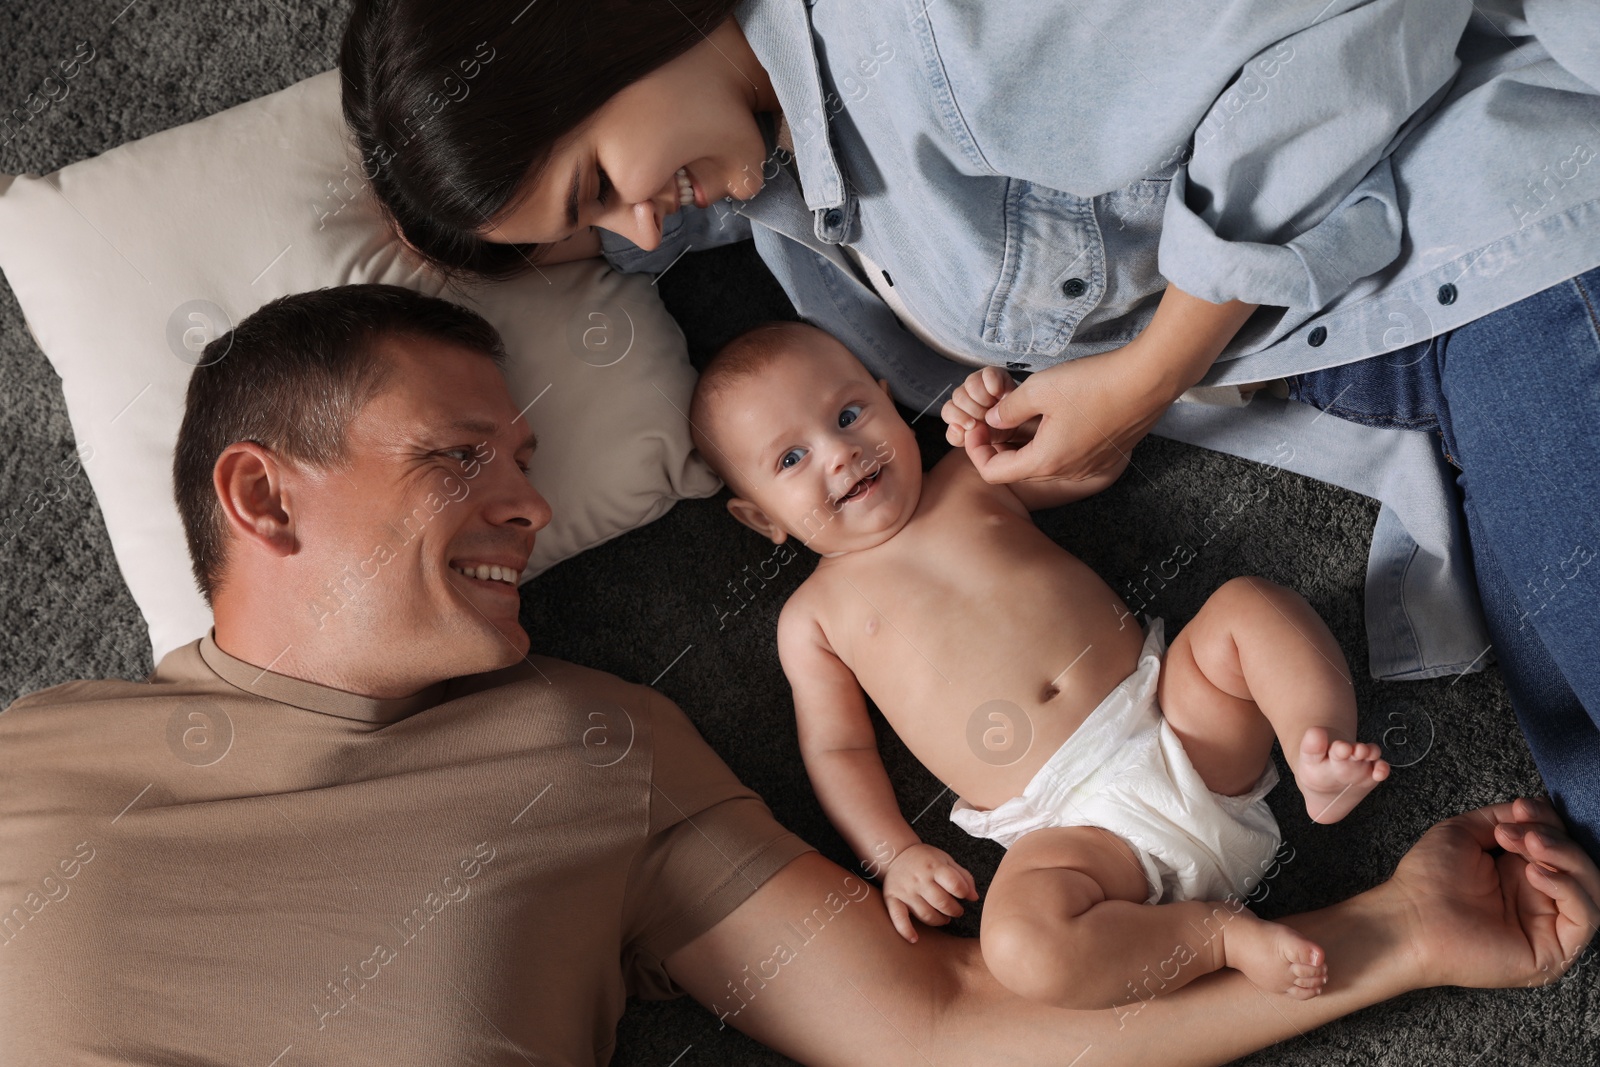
225	865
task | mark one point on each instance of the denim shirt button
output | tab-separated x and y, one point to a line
1447	293
833	217
1317	336
1074	287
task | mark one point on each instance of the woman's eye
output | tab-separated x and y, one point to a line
603	185
849	415
791	457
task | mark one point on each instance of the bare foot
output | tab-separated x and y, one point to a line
1334	777
1275	957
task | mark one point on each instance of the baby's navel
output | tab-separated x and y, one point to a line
1051	691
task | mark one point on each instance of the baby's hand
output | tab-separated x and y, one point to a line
925	882
964	412
972	399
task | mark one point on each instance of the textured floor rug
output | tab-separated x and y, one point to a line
674	594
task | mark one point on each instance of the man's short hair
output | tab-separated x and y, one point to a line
291	377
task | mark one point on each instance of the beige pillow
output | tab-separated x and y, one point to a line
127	263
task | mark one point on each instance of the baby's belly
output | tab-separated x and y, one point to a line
985	707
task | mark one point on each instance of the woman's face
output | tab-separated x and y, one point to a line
685	133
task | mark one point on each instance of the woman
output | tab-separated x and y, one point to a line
1389	210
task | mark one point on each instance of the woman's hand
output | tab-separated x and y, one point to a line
1077	420
924	881
1484	920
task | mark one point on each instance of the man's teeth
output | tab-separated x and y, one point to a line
488	572
685	188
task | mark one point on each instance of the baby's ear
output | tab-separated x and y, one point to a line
883	383
750	513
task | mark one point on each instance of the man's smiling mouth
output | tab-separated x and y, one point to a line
487	572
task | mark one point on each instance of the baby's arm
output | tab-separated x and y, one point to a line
964	415
840	750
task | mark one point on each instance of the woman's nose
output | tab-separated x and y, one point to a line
637	222
648	233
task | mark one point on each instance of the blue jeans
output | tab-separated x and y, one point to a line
1514	400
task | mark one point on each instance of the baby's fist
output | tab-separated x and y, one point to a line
924	881
971	400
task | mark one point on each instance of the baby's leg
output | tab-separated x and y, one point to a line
1064	923
1257	661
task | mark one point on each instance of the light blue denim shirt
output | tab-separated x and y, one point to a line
1029	174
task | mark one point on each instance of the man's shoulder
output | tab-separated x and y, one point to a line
549	677
181	667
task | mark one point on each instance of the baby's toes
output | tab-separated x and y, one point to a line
1314	744
1304	992
1308	969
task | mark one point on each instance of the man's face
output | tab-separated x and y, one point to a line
818	448
409	554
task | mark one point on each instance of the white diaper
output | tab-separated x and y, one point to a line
1124	770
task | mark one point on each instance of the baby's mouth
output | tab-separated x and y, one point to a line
861	486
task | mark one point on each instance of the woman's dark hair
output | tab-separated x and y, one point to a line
457	107
291	377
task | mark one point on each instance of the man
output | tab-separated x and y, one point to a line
358	823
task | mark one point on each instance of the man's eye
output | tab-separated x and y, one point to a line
849	415
603	185
791	457
464	454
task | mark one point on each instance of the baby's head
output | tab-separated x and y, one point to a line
809	444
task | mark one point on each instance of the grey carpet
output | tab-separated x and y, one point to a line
632	606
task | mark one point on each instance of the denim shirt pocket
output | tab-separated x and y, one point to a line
1052	272
1130	234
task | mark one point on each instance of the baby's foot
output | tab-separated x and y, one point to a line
1333	777
1273	956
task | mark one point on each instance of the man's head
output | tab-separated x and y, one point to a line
809	444
347	458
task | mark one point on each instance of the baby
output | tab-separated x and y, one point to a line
1114	778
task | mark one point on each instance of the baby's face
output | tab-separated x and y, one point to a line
818	451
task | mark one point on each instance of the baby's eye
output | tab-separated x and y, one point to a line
849	415
791	457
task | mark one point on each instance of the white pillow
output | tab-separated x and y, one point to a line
124	263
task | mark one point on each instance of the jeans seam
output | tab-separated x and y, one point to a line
1594	319
1395	422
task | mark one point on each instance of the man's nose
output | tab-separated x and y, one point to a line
521	505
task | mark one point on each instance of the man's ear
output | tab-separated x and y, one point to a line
752	516
248	480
